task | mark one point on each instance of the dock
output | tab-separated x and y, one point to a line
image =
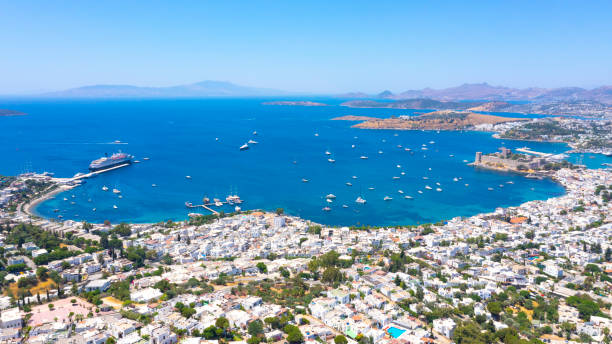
541	154
231	200
78	177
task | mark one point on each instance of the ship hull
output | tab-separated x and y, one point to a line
106	166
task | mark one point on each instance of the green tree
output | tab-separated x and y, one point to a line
340	339
261	266
256	328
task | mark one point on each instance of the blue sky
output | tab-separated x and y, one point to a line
311	46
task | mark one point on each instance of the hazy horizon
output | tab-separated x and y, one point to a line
314	47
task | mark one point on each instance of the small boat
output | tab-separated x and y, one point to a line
466	185
349	184
316	134
425	178
398	166
329	200
188	177
420	191
399	146
455	179
344	206
371	188
395	178
330	196
501	185
120	196
326	209
424	148
490	189
360	200
216	139
331	160
427	187
73	196
403	173
352	146
104	188
354	177
387	198
327	153
254	133
407	149
145	158
432	142
116	141
400	191
72	203
65	199
363	157
510	182
451	155
465	161
137	161
429	169
380	152
304	180
94	209
438	189
437	183
408	197
251	142
114	207
153	185
244	147
116	191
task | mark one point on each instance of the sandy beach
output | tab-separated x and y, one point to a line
28	207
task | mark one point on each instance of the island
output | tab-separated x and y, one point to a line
7	113
437	120
294	103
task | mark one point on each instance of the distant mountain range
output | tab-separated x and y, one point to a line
200	89
485	91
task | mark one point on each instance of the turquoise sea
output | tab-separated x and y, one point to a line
179	137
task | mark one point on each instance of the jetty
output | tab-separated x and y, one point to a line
551	156
77	177
231	200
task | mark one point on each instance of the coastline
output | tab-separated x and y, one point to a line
29	207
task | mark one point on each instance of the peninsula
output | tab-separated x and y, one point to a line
294	103
437	120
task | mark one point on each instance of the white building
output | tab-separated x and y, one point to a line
445	326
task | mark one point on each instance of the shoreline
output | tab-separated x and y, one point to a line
29	207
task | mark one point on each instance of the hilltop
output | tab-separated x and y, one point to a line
486	92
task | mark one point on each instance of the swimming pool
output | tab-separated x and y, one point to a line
395	332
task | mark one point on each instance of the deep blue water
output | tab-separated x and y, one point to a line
179	137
